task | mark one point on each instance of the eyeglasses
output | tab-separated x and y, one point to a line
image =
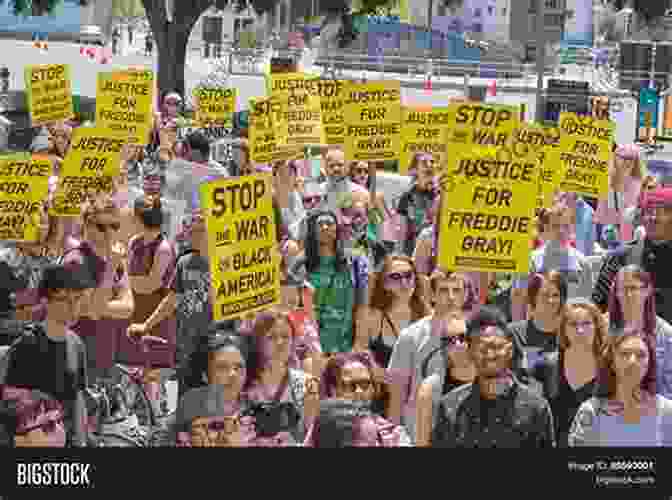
407	276
364	385
48	426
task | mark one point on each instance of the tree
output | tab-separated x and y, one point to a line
27	8
127	9
171	37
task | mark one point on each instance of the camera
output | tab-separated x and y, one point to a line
273	418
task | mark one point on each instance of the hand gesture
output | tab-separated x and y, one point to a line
136	330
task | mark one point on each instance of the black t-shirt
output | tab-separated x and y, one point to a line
41	363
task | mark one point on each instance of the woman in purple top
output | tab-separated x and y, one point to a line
626	410
110	305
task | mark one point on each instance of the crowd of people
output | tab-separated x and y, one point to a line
373	343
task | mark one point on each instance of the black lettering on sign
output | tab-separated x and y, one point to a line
371	130
428	133
372	96
476	115
204	94
572	126
134	89
93	164
370	144
331	106
265	107
420	147
99	144
576	161
580	177
303	116
253	229
495	169
492	196
372	114
474	221
299	129
54	86
487	246
12	221
297	100
329	88
245	283
255	257
237	198
585	148
484	137
24	169
125	102
19	206
14	188
54	72
428	119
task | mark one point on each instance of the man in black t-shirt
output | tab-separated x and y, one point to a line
51	358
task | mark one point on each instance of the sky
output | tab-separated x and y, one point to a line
66	19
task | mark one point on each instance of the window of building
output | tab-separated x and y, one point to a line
503	11
478	12
491	10
553	20
477	27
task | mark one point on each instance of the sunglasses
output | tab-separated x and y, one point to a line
364	385
407	276
48	427
228	425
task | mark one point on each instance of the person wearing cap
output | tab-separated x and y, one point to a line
625	183
51	358
497	410
653	253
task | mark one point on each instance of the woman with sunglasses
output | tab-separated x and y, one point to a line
625	410
625	183
397	300
351	376
111	304
632	304
340	284
364	174
569	375
274	378
31	419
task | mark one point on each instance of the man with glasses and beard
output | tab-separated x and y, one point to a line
496	411
653	253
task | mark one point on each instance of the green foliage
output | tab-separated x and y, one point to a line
128	9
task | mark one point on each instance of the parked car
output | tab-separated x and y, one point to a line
91	35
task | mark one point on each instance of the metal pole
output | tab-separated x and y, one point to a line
430	13
541	56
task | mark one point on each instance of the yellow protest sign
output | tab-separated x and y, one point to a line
90	165
332	93
480	124
487	213
300	106
373	121
242	247
266	131
422	131
49	93
584	155
124	104
24	187
215	107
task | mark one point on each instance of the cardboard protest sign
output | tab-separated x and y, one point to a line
242	247
332	94
373	121
49	93
480	124
300	106
487	212
539	141
267	130
582	160
423	130
124	102
90	165
24	187
215	107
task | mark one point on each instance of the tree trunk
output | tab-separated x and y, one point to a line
172	51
